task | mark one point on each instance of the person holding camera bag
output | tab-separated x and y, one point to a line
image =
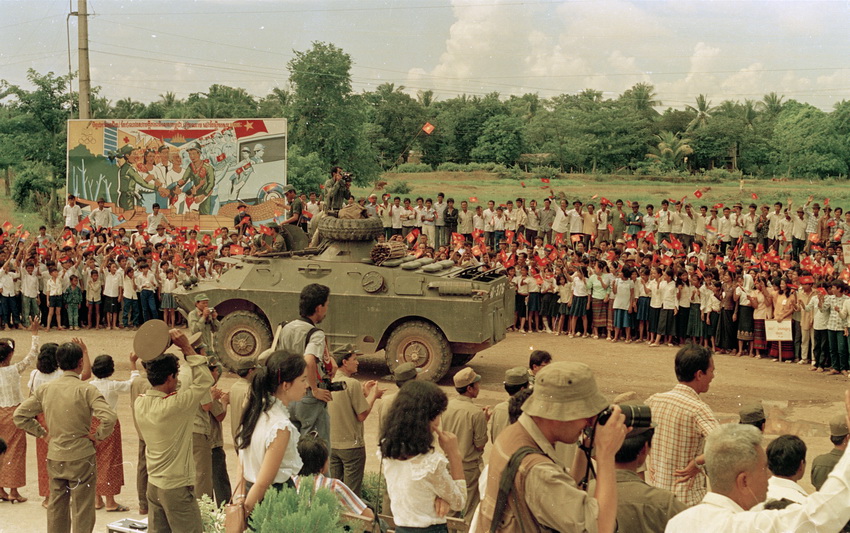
543	493
303	336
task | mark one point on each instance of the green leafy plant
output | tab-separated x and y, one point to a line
293	512
410	168
212	516
373	485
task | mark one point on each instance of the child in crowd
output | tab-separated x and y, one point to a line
94	289
73	297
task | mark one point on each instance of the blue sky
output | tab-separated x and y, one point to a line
725	49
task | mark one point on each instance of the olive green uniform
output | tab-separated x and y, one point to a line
823	465
205	186
68	405
469	423
337	193
499	420
207	328
642	507
139	386
201	438
127	175
166	422
238	400
348	447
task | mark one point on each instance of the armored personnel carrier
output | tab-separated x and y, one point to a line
430	313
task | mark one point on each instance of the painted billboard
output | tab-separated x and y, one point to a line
189	167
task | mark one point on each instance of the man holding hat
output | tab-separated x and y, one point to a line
348	410
640	506
202	320
544	494
469	423
516	379
824	464
165	417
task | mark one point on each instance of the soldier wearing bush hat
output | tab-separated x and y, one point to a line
204	320
824	464
516	379
753	414
564	403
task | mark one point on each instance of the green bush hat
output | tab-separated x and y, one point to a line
565	391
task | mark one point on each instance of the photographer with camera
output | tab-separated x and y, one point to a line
542	492
304	337
683	421
338	190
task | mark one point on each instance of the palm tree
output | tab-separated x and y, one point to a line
749	112
426	98
643	96
703	111
670	151
771	104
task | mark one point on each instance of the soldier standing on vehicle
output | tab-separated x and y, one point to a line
337	189
303	336
295	205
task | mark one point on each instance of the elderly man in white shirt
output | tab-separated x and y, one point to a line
737	468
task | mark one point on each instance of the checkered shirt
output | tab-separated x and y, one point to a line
682	421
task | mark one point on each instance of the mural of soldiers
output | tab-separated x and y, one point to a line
128	175
202	176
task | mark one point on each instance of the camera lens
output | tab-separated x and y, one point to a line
637	416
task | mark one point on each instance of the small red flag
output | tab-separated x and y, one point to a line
155	256
559	238
611	229
523	184
41	251
207	240
698	193
575	238
220	157
428	128
718	206
755	196
825	202
235	249
509	236
411	237
473	198
547	180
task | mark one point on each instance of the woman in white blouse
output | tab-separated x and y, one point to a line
422	488
266	439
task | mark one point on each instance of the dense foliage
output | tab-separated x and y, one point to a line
379	130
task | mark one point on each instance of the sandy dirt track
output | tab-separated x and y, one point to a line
796	400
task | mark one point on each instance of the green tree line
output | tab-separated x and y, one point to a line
374	131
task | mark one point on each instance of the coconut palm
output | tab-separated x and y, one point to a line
670	151
703	111
642	97
771	104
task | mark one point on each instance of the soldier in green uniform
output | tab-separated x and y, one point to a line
296	208
824	464
640	506
516	379
203	319
202	176
127	175
337	190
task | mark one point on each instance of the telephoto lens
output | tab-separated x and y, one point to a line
637	416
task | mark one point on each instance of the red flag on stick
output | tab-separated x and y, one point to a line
428	128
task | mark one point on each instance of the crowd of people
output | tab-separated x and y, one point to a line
674	276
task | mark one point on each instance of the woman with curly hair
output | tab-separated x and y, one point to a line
422	488
267	439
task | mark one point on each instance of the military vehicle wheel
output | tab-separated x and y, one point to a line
460	359
349	229
422	344
241	334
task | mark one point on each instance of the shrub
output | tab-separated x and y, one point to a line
399	187
545	172
411	168
212	516
716	175
371	489
512	173
449	167
293	512
31	179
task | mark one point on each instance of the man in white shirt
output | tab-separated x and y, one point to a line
156	219
602	223
736	464
465	221
101	218
773	220
440	221
786	459
737	218
395	214
700	221
724	229
488	215
72	213
665	220
688	219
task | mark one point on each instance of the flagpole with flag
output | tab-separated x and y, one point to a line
428	128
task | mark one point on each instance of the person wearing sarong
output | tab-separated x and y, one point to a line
727	331
784	303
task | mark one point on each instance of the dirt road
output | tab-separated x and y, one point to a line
795	399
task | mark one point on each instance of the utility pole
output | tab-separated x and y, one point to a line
83	45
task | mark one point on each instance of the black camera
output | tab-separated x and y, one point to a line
333	386
637	416
347	177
